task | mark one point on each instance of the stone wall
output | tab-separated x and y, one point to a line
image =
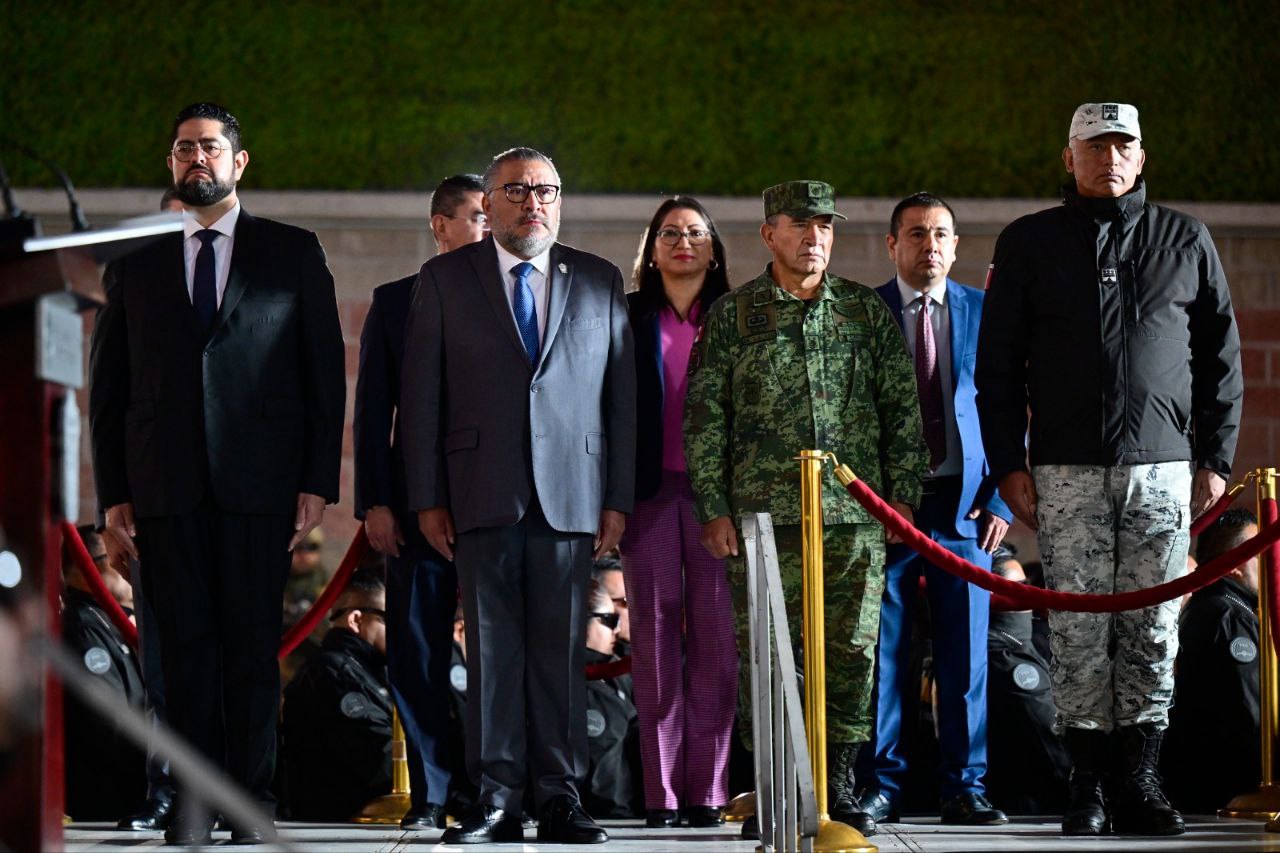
372	238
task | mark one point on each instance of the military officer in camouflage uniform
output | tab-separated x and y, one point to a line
800	359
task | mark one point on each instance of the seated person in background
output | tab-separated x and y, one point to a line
613	782
307	579
1027	764
337	711
1213	743
607	572
106	773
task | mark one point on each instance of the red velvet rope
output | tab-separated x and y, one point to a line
1269	514
304	626
1019	596
1214	513
612	669
96	585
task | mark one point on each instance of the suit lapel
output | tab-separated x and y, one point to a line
170	265
958	307
241	261
561	283
893	299
485	264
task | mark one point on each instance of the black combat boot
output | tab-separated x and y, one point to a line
842	801
1087	811
1138	805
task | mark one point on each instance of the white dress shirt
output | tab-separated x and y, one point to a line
539	283
940	318
222	246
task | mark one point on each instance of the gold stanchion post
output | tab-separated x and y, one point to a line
390	808
833	836
1264	802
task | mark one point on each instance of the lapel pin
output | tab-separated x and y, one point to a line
564	269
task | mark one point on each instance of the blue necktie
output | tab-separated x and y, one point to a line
525	311
204	288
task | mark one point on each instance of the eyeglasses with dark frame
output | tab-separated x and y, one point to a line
517	193
695	236
183	151
609	620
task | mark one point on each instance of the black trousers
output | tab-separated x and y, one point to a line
524	599
215	583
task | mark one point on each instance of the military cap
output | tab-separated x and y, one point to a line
1092	120
801	199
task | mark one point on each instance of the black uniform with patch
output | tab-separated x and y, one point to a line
106	775
1027	764
613	785
337	730
1211	750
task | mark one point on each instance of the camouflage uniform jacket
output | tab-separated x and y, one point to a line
772	376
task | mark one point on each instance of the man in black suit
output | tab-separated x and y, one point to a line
215	410
519	435
422	587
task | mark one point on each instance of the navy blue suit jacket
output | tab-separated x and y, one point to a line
964	305
379	458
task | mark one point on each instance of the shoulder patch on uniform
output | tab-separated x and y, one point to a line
458	677
595	723
757	321
353	705
96	660
1243	649
1026	676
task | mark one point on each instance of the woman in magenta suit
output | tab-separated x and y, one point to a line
684	662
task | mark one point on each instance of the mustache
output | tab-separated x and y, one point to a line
531	218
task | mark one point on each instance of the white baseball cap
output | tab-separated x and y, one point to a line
1093	120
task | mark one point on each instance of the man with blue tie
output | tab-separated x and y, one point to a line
960	510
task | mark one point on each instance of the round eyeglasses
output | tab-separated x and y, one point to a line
185	150
695	236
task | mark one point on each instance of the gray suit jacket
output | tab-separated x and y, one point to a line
482	430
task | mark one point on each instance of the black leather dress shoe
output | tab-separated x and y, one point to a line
186	832
156	814
705	816
430	816
252	834
751	828
972	810
563	821
662	818
485	825
877	806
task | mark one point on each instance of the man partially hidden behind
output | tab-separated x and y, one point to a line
422	586
1214	739
1110	319
801	359
336	719
960	511
518	399
216	401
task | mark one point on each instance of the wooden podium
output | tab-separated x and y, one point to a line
45	284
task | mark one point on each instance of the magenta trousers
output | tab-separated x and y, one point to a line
684	658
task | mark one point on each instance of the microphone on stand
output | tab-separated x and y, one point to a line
78	222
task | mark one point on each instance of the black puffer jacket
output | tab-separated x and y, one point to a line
1111	320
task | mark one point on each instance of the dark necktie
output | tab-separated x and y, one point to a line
204	284
929	378
526	312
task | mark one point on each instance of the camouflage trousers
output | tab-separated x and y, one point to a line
1105	530
853	565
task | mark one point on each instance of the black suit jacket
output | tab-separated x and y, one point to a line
375	426
252	413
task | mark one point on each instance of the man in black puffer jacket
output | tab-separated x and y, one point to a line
1110	320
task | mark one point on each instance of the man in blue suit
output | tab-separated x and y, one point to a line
422	587
960	510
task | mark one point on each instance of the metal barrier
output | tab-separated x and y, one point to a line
787	800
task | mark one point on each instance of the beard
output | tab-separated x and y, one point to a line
524	246
203	192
